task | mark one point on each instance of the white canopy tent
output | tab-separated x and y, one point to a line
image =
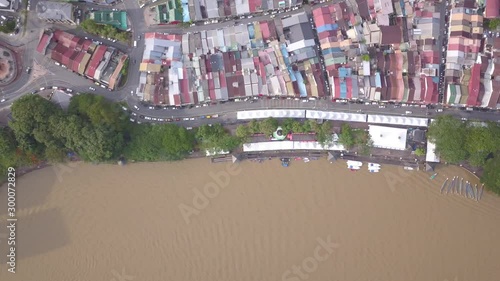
340	116
275	113
388	137
398	120
288	145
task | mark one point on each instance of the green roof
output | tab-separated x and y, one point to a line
168	13
117	19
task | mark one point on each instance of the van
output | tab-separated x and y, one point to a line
135	43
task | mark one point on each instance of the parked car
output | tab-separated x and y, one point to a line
408	112
92	88
439	110
136	107
3	100
147	117
185	119
28	70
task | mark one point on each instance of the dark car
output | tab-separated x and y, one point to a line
141	116
177	119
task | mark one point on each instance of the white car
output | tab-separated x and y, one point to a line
185	119
192	119
439	110
147	118
3	100
92	88
134	114
136	107
408	112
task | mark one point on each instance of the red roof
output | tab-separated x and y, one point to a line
430	93
44	41
57	53
95	60
474	85
264	28
253	4
177	100
77	61
184	89
492	9
322	16
66	58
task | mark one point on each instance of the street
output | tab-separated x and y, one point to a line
27	41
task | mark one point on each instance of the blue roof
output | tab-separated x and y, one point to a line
343	89
300	82
378	81
327	27
344	72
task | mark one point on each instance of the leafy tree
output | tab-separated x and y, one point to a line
491	174
254	127
420	152
268	126
159	142
297	127
104	30
324	133
449	135
493	24
98	111
215	138
481	141
287	125
7	148
31	114
346	137
243	132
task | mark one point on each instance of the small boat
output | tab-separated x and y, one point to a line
353	167
408	168
306	160
354	163
374	165
285	162
481	192
461	186
374	170
450	186
477	192
444	184
433	176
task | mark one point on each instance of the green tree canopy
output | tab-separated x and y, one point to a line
481	141
346	137
268	126
31	114
215	138
491	174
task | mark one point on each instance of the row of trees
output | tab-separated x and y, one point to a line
478	144
105	30
93	128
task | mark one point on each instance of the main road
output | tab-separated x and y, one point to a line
58	76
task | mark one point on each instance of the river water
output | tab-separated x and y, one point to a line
193	220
